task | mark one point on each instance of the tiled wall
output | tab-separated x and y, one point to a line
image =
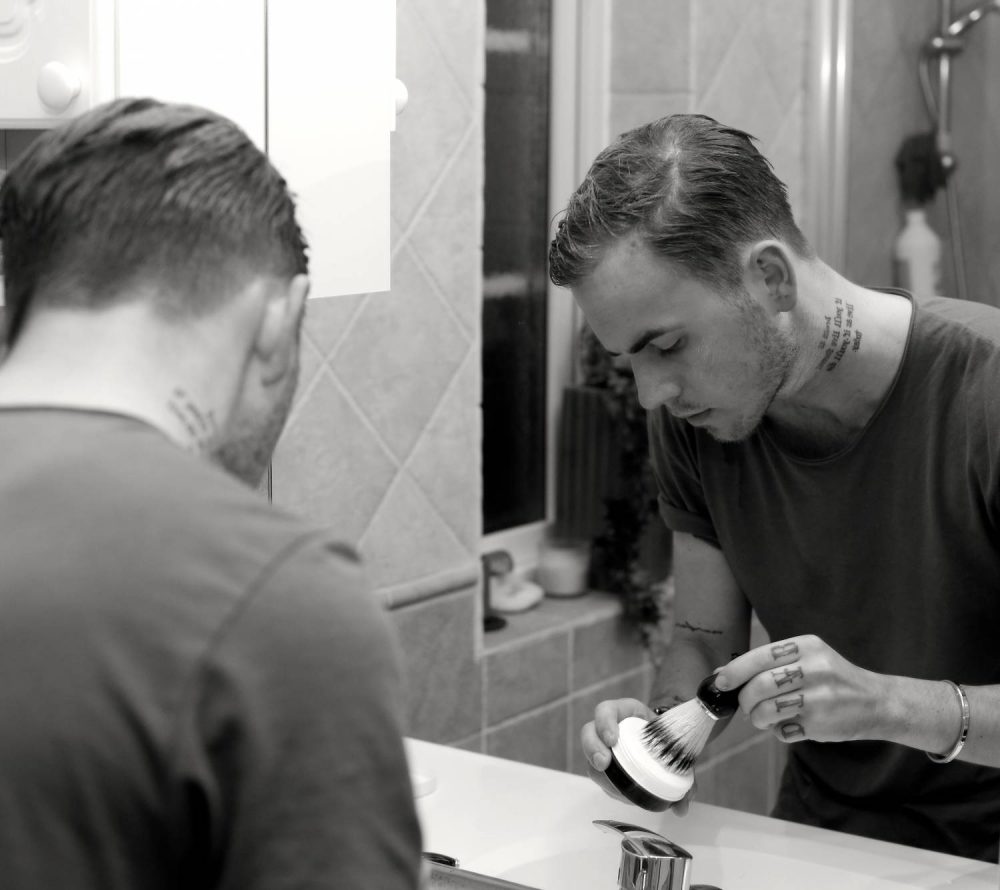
383	441
387	420
976	128
887	106
742	63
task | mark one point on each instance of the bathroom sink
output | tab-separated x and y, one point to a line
578	863
533	826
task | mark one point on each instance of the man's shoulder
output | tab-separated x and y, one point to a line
975	319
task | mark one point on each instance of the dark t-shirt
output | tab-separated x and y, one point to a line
196	691
890	551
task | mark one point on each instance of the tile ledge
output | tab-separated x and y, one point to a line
552	616
430	586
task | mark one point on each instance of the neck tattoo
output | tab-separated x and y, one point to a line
839	333
201	426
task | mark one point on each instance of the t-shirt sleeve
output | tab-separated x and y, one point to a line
292	760
680	495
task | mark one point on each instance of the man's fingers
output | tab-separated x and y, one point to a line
772	657
600	735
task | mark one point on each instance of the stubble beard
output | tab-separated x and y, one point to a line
776	353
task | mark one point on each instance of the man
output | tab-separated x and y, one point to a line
196	689
827	455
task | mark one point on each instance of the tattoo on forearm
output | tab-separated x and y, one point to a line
686	625
201	426
785	676
783	650
791	701
791	731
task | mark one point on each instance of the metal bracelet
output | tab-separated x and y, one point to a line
963	701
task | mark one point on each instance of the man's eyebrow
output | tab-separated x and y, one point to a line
643	340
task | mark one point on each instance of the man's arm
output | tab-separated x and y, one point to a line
711	620
712	623
801	688
294	740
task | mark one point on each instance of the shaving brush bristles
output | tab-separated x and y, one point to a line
677	737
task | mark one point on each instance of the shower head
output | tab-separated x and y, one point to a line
968	18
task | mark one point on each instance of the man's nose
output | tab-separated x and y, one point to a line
656	385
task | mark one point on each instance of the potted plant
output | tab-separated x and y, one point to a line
630	549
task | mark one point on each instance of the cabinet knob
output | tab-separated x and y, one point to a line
402	95
58	86
12	18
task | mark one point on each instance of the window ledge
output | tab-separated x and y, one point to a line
552	615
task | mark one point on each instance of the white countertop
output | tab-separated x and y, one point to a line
533	826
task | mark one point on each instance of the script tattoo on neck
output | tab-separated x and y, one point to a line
839	333
201	426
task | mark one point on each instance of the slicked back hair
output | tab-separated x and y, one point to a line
693	190
137	193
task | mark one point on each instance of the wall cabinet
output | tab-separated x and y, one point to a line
313	83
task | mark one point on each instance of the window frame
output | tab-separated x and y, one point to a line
578	130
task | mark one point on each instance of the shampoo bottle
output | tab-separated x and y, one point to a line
917	255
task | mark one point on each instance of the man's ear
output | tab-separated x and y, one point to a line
770	270
278	331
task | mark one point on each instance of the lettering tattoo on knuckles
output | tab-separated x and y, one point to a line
783	650
791	701
786	676
791	731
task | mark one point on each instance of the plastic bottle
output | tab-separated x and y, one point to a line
917	255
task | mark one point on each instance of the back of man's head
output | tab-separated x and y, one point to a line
694	190
171	202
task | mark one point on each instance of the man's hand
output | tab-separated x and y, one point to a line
800	688
600	735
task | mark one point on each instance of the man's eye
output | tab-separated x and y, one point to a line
671	348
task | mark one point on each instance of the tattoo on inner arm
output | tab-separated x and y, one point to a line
686	625
782	650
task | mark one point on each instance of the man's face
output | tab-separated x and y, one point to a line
254	432
713	360
259	415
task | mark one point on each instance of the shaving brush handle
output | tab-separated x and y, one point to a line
721	704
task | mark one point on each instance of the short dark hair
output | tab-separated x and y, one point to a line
139	191
694	190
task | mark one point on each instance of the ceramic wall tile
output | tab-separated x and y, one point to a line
539	737
437	117
408	538
454	27
519	678
716	26
404	348
442	240
604	649
328	321
443	679
330	465
445	463
650	49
